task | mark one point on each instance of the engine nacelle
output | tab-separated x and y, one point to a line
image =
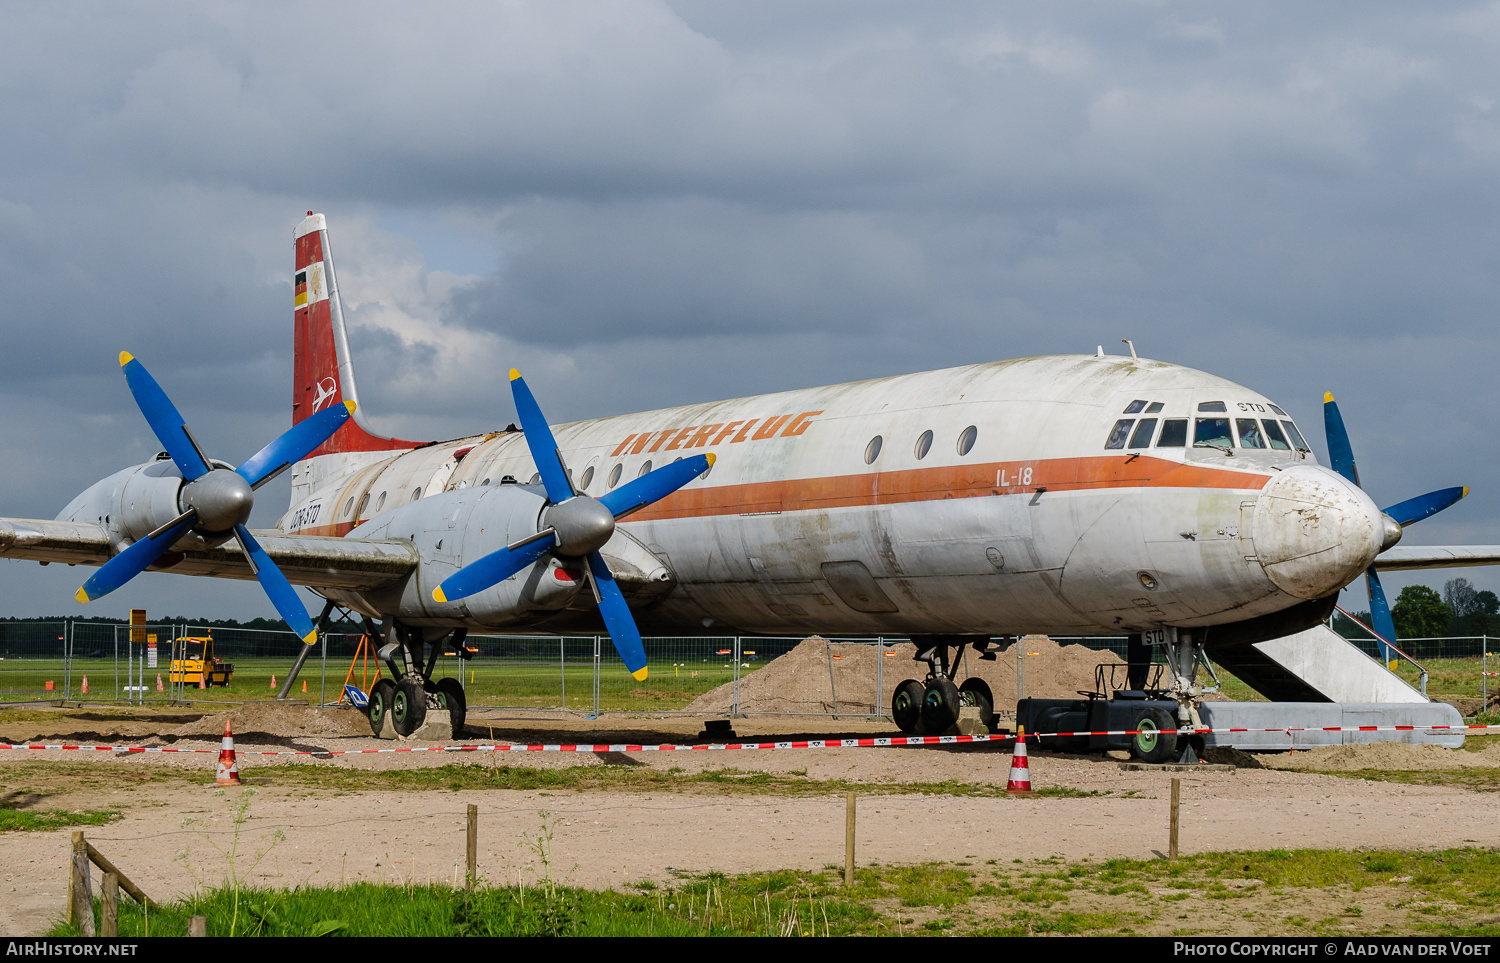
135	502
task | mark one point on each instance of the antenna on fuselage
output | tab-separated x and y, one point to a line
1132	349
1101	352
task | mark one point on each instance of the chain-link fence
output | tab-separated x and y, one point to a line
843	677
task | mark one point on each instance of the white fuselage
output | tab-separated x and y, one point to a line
1026	523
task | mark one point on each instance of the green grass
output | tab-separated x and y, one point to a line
490	682
24	820
1301	892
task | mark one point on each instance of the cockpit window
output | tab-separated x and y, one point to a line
1212	433
1134	407
1119	433
1297	440
1212	406
1143	431
1250	436
1275	435
1173	434
1278	411
1153	408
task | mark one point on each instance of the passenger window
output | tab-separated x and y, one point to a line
924	444
1153	408
1134	407
1275	436
967	439
1212	433
588	476
1297	440
416	493
380	503
1173	434
536	478
644	468
614	475
1143	432
349	506
872	450
1212	406
363	502
1119	433
1250	436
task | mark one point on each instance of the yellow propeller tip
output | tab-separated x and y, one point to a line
1327	397
514	374
81	596
125	358
710	457
640	676
438	596
1466	492
311	638
351	406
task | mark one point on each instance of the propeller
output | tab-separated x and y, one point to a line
217	500
577	526
1397	517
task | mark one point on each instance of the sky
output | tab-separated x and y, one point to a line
642	204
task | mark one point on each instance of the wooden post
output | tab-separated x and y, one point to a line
197	926
1176	817
109	910
98	859
473	846
849	839
80	893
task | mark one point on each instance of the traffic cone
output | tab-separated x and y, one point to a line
229	770
85	685
273	680
159	686
1020	772
304	685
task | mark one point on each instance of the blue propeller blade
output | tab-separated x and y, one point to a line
655	485
164	419
295	444
282	595
1416	509
131	562
1380	613
493	569
617	618
539	439
1340	452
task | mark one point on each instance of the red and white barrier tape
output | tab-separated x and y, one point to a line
880	742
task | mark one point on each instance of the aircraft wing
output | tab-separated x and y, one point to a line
317	560
1410	557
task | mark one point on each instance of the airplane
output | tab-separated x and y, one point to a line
1062	495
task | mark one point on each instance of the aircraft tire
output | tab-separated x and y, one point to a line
381	695
451	691
906	705
940	706
976	692
1156	746
409	707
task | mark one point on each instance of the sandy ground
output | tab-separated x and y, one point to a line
602	839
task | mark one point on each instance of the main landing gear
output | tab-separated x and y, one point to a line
932	706
411	698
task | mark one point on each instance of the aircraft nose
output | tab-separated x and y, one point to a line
1315	532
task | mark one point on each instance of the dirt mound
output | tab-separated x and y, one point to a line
810	676
263	721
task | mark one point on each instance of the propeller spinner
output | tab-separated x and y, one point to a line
215	501
575	526
1397	517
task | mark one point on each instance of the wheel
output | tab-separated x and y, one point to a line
380	703
976	692
1152	744
940	705
450	693
409	707
906	705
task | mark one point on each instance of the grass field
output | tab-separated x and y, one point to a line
1267	893
488	682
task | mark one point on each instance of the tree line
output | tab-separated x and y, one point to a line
1421	613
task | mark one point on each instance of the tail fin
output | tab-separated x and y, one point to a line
323	374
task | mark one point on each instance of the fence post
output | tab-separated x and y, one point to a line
734	710
596	677
562	667
879	676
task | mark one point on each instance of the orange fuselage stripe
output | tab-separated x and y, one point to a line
928	484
